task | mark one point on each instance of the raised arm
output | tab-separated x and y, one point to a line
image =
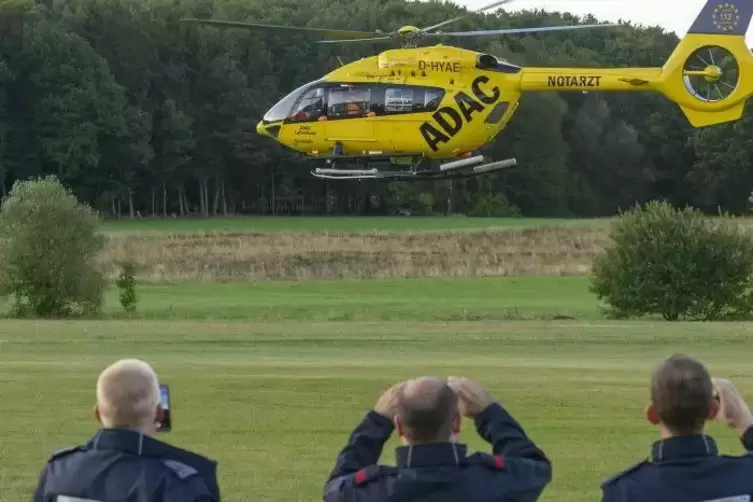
525	469
507	437
364	446
747	439
493	423
734	410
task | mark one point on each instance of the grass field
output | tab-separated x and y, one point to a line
269	379
332	224
428	299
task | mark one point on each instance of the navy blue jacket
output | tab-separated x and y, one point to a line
120	465
517	471
687	469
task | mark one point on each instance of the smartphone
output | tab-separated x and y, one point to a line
164	397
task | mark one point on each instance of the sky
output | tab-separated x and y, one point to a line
673	15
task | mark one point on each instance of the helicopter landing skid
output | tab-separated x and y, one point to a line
449	170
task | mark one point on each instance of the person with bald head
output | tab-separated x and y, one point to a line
431	464
123	461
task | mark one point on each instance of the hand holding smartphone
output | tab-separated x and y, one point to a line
166	425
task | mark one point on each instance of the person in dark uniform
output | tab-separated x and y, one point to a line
431	465
123	461
685	464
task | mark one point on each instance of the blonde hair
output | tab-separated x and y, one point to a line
127	394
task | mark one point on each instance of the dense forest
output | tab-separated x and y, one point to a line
142	115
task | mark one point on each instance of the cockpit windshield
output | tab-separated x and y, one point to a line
283	108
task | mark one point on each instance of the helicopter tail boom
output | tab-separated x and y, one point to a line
709	74
589	79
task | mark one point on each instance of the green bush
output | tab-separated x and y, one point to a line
676	263
496	206
48	246
127	285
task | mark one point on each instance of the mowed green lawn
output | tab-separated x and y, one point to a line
274	400
333	224
424	299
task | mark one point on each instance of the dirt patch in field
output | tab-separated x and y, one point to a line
227	256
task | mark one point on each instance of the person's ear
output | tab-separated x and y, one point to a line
651	415
456	423
97	414
716	406
399	427
159	415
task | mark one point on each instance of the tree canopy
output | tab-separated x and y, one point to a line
140	114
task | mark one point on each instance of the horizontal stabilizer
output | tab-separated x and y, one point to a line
704	119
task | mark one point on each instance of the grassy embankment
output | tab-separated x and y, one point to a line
333	248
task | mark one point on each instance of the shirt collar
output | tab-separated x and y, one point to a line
674	448
125	440
430	454
137	443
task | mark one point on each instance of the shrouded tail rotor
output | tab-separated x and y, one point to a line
711	73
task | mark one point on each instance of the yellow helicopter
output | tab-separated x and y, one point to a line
426	111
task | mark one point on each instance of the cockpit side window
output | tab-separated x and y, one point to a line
399	99
311	106
349	101
432	98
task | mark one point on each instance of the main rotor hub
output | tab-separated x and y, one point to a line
405	30
409	36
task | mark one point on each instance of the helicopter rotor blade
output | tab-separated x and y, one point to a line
346	41
341	34
513	31
470	13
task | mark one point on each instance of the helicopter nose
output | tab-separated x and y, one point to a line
269	130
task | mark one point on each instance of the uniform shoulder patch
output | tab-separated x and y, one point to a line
624	473
179	468
371	473
496	462
62	452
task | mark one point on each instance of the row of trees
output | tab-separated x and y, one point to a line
141	114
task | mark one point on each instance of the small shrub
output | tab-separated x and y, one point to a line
496	206
48	246
127	285
427	202
676	263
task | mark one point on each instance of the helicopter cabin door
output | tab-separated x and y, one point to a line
403	108
349	114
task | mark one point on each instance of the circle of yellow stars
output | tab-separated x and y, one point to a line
726	16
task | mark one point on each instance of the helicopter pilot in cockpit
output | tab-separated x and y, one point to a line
311	106
340	103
